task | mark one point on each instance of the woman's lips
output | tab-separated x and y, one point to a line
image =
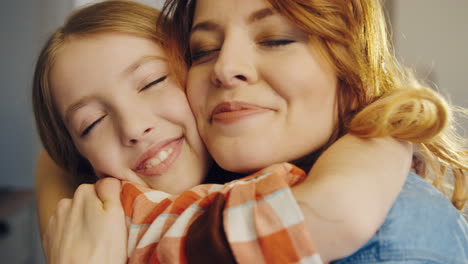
159	158
231	112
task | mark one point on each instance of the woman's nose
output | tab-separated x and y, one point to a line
234	65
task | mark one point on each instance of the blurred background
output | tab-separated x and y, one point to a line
429	35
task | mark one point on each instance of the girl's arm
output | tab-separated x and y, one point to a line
51	186
90	228
350	190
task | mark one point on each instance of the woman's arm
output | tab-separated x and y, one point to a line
350	190
51	186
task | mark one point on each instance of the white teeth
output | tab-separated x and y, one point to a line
152	162
163	155
160	158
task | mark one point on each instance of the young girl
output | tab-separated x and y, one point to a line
99	125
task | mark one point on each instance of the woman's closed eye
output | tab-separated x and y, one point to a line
276	42
153	83
88	129
197	55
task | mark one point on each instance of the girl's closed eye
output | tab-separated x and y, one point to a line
153	83
88	129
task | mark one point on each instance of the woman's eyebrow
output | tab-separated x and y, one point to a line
205	26
209	25
259	15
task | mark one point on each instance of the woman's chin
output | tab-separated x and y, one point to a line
244	164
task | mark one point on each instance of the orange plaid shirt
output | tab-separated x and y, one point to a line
251	220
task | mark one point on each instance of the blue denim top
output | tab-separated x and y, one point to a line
422	227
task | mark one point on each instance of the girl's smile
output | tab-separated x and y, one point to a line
159	159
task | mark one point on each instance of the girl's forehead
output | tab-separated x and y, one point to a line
86	65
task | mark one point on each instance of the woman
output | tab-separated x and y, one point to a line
286	64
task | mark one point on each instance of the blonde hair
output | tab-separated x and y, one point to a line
377	97
106	17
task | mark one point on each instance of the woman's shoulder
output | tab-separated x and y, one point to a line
420	193
422	227
423	223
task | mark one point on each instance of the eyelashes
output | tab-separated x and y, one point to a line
277	42
153	83
199	55
200	52
89	128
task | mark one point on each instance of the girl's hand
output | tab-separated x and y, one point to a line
90	228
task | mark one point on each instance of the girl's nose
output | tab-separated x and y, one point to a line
133	139
135	127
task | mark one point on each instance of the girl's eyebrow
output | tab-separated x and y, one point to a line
208	25
127	71
71	109
141	61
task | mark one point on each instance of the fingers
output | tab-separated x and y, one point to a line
108	190
63	207
53	236
47	238
85	198
83	231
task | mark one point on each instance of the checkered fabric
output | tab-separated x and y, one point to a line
260	221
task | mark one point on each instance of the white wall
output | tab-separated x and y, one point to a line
23	25
432	35
154	3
